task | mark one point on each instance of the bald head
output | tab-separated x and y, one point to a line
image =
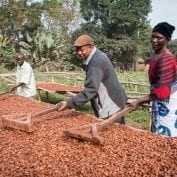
20	58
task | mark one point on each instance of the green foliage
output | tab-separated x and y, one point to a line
143	42
39	30
17	17
37	44
51	97
173	47
134	83
132	76
6	52
114	25
138	118
60	16
3	86
119	51
117	17
42	30
3	69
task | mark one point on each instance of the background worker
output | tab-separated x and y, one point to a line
101	85
163	80
25	85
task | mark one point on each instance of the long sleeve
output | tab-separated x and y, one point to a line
162	77
91	85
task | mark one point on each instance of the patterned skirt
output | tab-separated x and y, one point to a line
164	115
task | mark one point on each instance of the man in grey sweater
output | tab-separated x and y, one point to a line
101	85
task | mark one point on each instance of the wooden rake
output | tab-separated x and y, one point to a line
90	133
24	121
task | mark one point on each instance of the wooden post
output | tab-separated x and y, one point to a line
149	122
39	94
47	95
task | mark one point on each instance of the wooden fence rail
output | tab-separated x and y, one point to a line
133	89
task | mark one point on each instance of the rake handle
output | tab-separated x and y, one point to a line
114	117
46	111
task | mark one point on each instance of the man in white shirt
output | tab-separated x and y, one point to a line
26	85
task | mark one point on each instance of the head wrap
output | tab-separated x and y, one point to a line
165	29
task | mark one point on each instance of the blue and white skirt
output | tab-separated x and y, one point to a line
164	115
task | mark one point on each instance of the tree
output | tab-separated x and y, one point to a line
60	17
117	17
6	52
143	41
40	30
17	19
119	21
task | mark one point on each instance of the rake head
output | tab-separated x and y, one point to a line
87	132
24	122
19	121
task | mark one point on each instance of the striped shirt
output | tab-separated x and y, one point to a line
162	73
